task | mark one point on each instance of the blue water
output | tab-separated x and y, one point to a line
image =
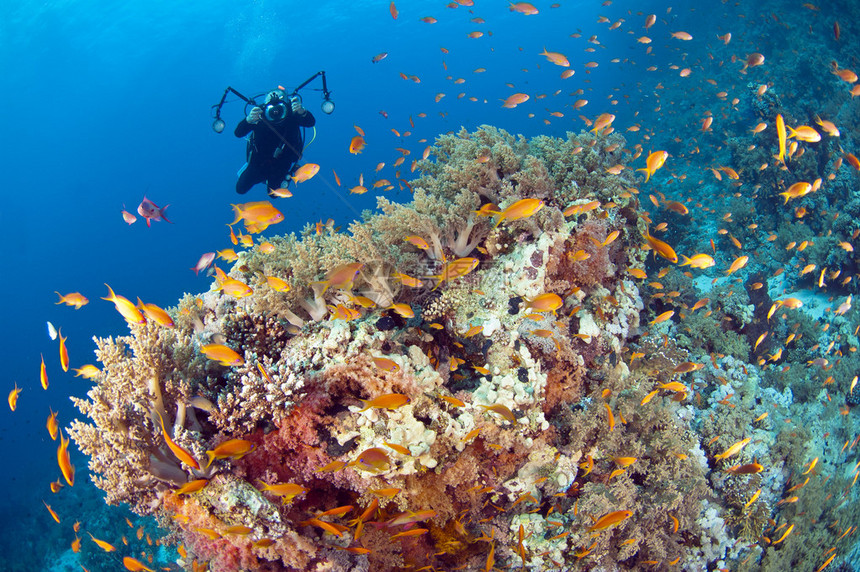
103	103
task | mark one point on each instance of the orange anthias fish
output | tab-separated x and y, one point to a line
521	209
64	354
687	367
661	248
222	354
748	469
524	8
306	172
43	374
649	397
662	317
780	133
13	397
556	58
125	307
231	286
337	511
280	193
50	510
733	450
75	299
410	517
805	133
155	314
390	401
408	281
456	269
178	451
655	161
502	410
674	386
410	532
754	59
52	425
357	145
417	241
135	565
332	467
828	126
341	277
330	527
284	490
603	121
677	207
102	544
452	400
514	100
276	284
232	449
739	263
240	529
66	466
548	302
609	520
797	190
845	75
373	460
698	261
403	310
399	448
257	215
785	534
191	487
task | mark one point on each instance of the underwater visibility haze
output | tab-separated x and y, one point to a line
555	285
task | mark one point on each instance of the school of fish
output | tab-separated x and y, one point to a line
743	151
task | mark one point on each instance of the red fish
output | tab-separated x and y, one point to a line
151	211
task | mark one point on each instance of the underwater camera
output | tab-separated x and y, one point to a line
276	110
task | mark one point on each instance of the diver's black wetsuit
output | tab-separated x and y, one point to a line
267	138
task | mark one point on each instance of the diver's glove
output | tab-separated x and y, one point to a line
254	116
297	107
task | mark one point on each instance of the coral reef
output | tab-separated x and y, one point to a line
440	389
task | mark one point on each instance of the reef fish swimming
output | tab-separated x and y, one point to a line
151	212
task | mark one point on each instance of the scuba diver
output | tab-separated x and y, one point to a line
275	143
